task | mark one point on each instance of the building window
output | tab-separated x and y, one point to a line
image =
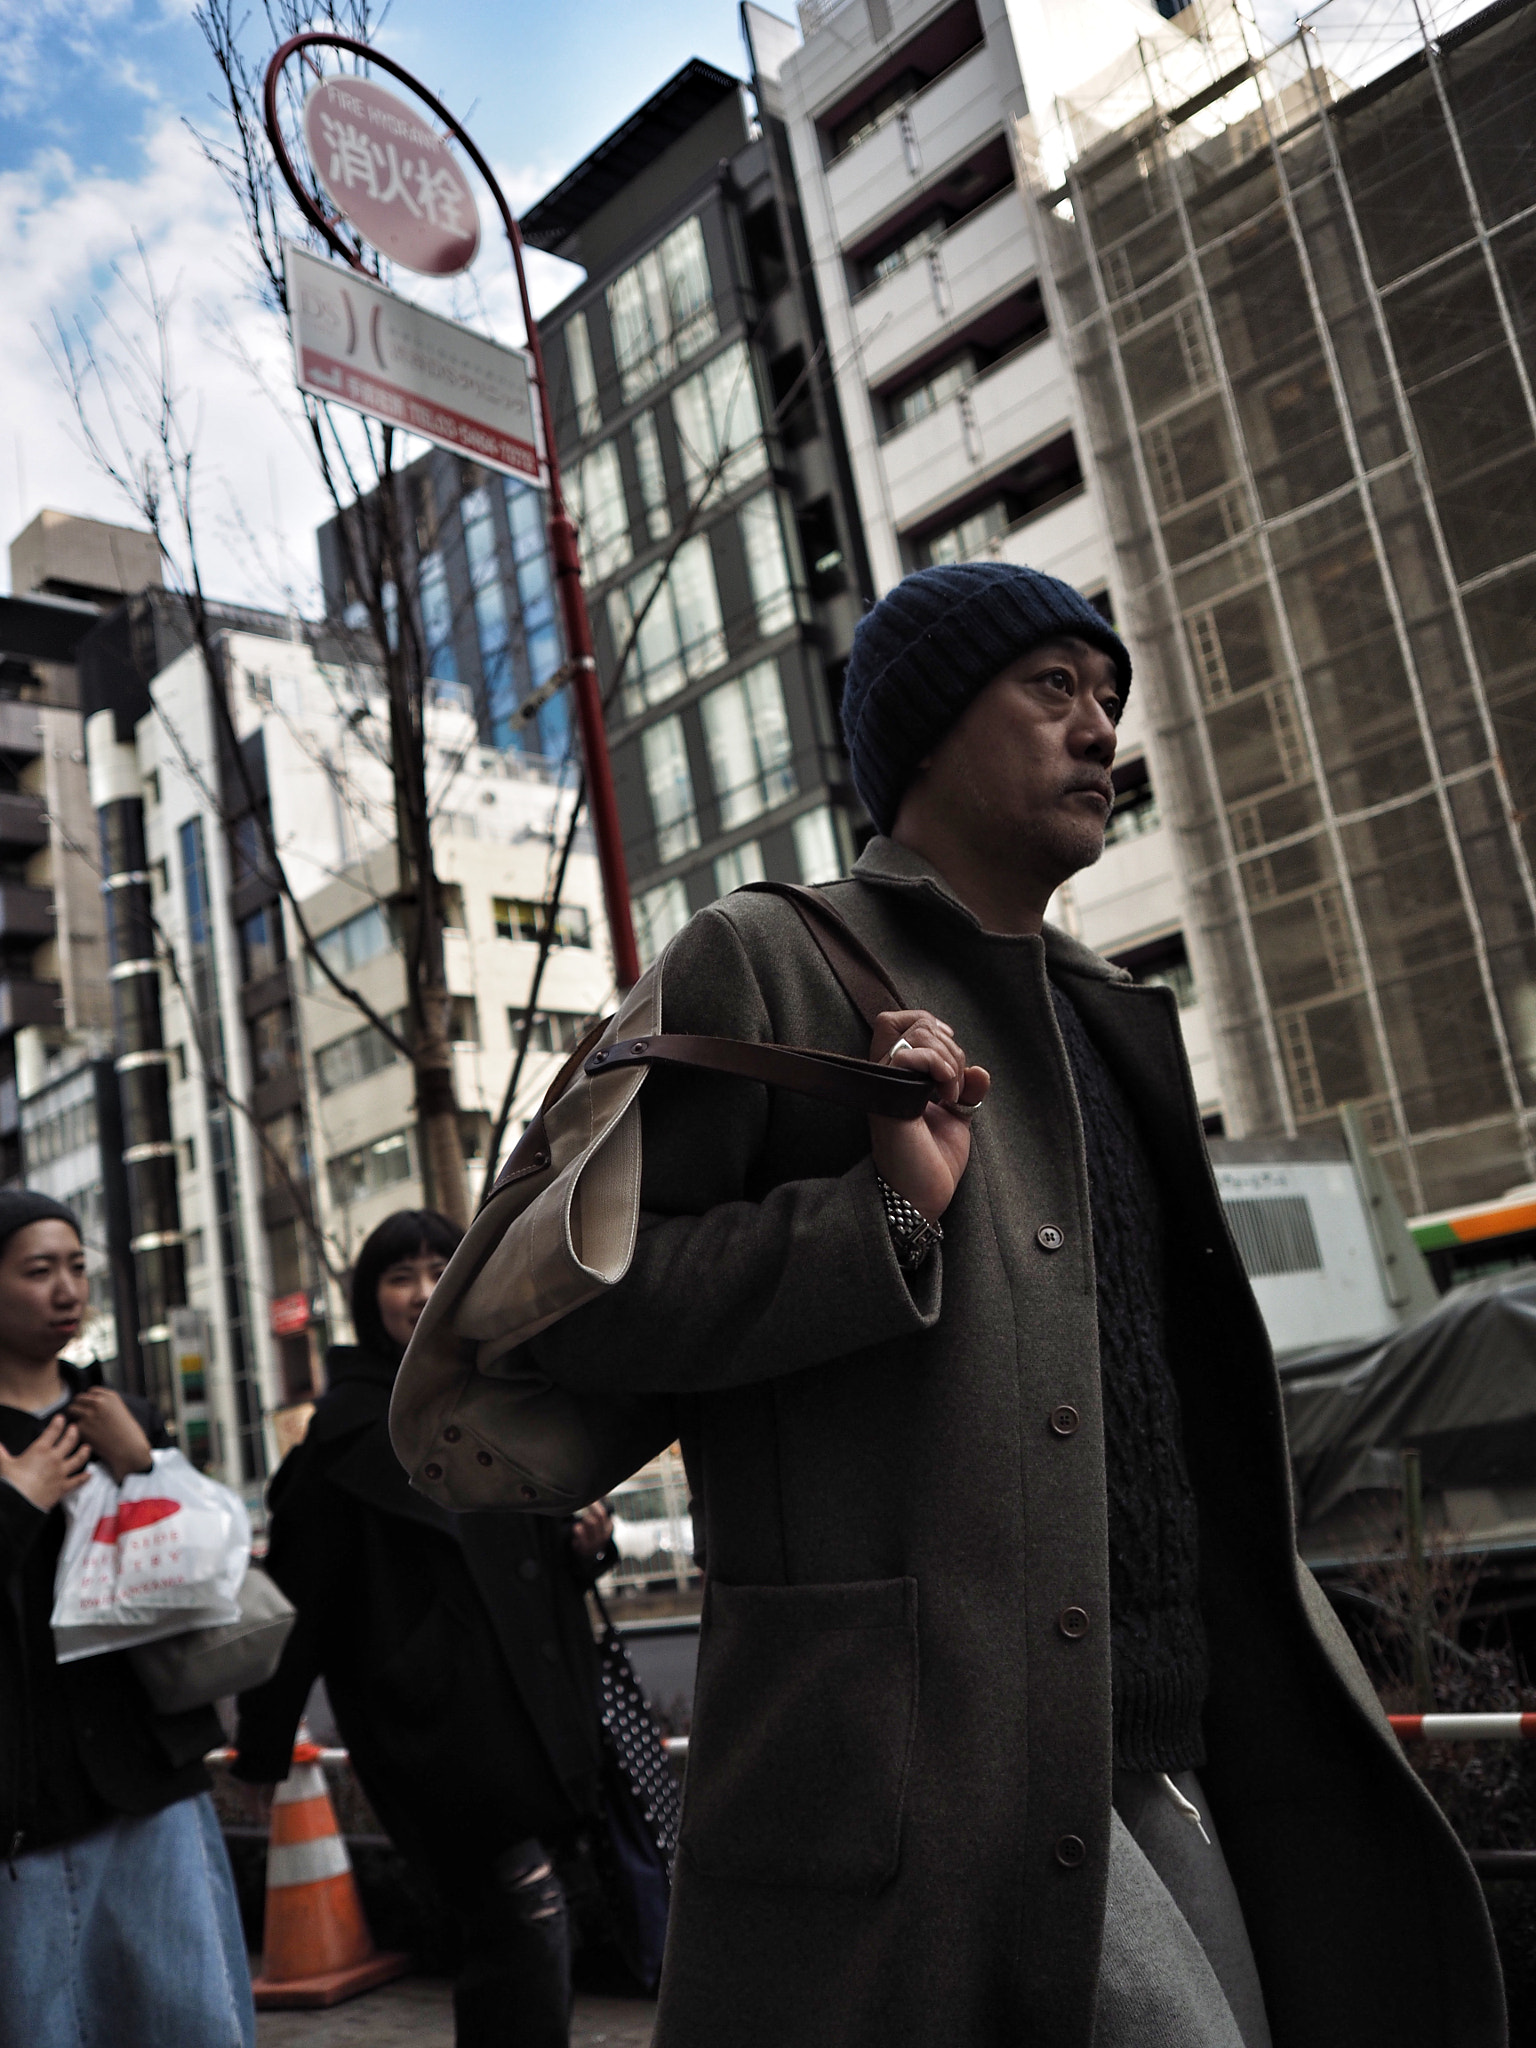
747	733
1136	808
918	400
578	353
346	947
653	478
284	1151
248	850
681	634
371	1169
669	784
261	943
465	1027
490	601
517	918
1164	963
819	852
719	426
660	915
661	310
355	1057
742	864
437	619
541	630
553	1030
274	1051
912	244
600	513
963	543
768	564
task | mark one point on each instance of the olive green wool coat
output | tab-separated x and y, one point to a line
894	1742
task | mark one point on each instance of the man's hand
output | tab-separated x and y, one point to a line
106	1424
593	1527
923	1159
51	1466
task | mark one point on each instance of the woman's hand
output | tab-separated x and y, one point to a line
591	1530
52	1465
106	1424
924	1159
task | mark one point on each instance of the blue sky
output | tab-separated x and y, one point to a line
541	84
94	152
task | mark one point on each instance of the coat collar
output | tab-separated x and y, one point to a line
888	865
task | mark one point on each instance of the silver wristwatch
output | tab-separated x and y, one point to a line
913	1237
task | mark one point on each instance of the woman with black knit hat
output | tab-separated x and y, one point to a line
457	1655
118	1919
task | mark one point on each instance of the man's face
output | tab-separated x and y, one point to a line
1023	776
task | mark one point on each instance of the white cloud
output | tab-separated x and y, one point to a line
67	248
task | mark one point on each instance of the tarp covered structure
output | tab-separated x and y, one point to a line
1458	1385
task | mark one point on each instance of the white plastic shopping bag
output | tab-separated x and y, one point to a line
165	1552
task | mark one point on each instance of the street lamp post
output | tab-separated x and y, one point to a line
601	799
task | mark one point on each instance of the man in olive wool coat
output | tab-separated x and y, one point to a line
1018	1721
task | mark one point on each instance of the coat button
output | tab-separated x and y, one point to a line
1065	1419
1073	1623
551	1652
432	1471
482	1457
529	1568
528	1493
1070	1851
1049	1238
452	1433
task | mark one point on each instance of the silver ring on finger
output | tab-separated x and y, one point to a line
964	1110
901	1045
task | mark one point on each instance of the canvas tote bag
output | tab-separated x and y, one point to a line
475	1425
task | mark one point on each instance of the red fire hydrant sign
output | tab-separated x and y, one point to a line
392	176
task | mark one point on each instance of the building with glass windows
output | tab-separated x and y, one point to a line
704	467
477	557
268	1124
1295	287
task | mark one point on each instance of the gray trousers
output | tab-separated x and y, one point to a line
1177	1968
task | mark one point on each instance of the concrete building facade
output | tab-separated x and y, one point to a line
290	1118
703	461
1298	307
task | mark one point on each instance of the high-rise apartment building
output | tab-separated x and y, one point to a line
1299	306
59	1124
704	467
269	1123
958	400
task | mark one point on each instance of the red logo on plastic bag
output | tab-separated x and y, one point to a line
133	1514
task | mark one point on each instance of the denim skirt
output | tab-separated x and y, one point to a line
128	1937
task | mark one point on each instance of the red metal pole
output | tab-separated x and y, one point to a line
601	800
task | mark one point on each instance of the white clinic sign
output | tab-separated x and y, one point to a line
358	345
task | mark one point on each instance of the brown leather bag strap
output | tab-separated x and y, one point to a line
862	976
829	1076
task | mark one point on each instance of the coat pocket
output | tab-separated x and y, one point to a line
806	1706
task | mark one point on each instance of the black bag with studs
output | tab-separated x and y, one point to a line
641	1809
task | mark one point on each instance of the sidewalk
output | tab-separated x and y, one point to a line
417	2013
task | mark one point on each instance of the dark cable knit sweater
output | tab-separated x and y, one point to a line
1157	1637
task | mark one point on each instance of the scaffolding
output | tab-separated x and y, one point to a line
1298	289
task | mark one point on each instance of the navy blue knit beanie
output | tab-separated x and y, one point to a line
21	1206
932	644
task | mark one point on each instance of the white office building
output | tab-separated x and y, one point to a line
958	405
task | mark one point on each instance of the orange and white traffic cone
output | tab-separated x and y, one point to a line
317	1949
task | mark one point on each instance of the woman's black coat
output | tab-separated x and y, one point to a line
79	1742
455	1649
